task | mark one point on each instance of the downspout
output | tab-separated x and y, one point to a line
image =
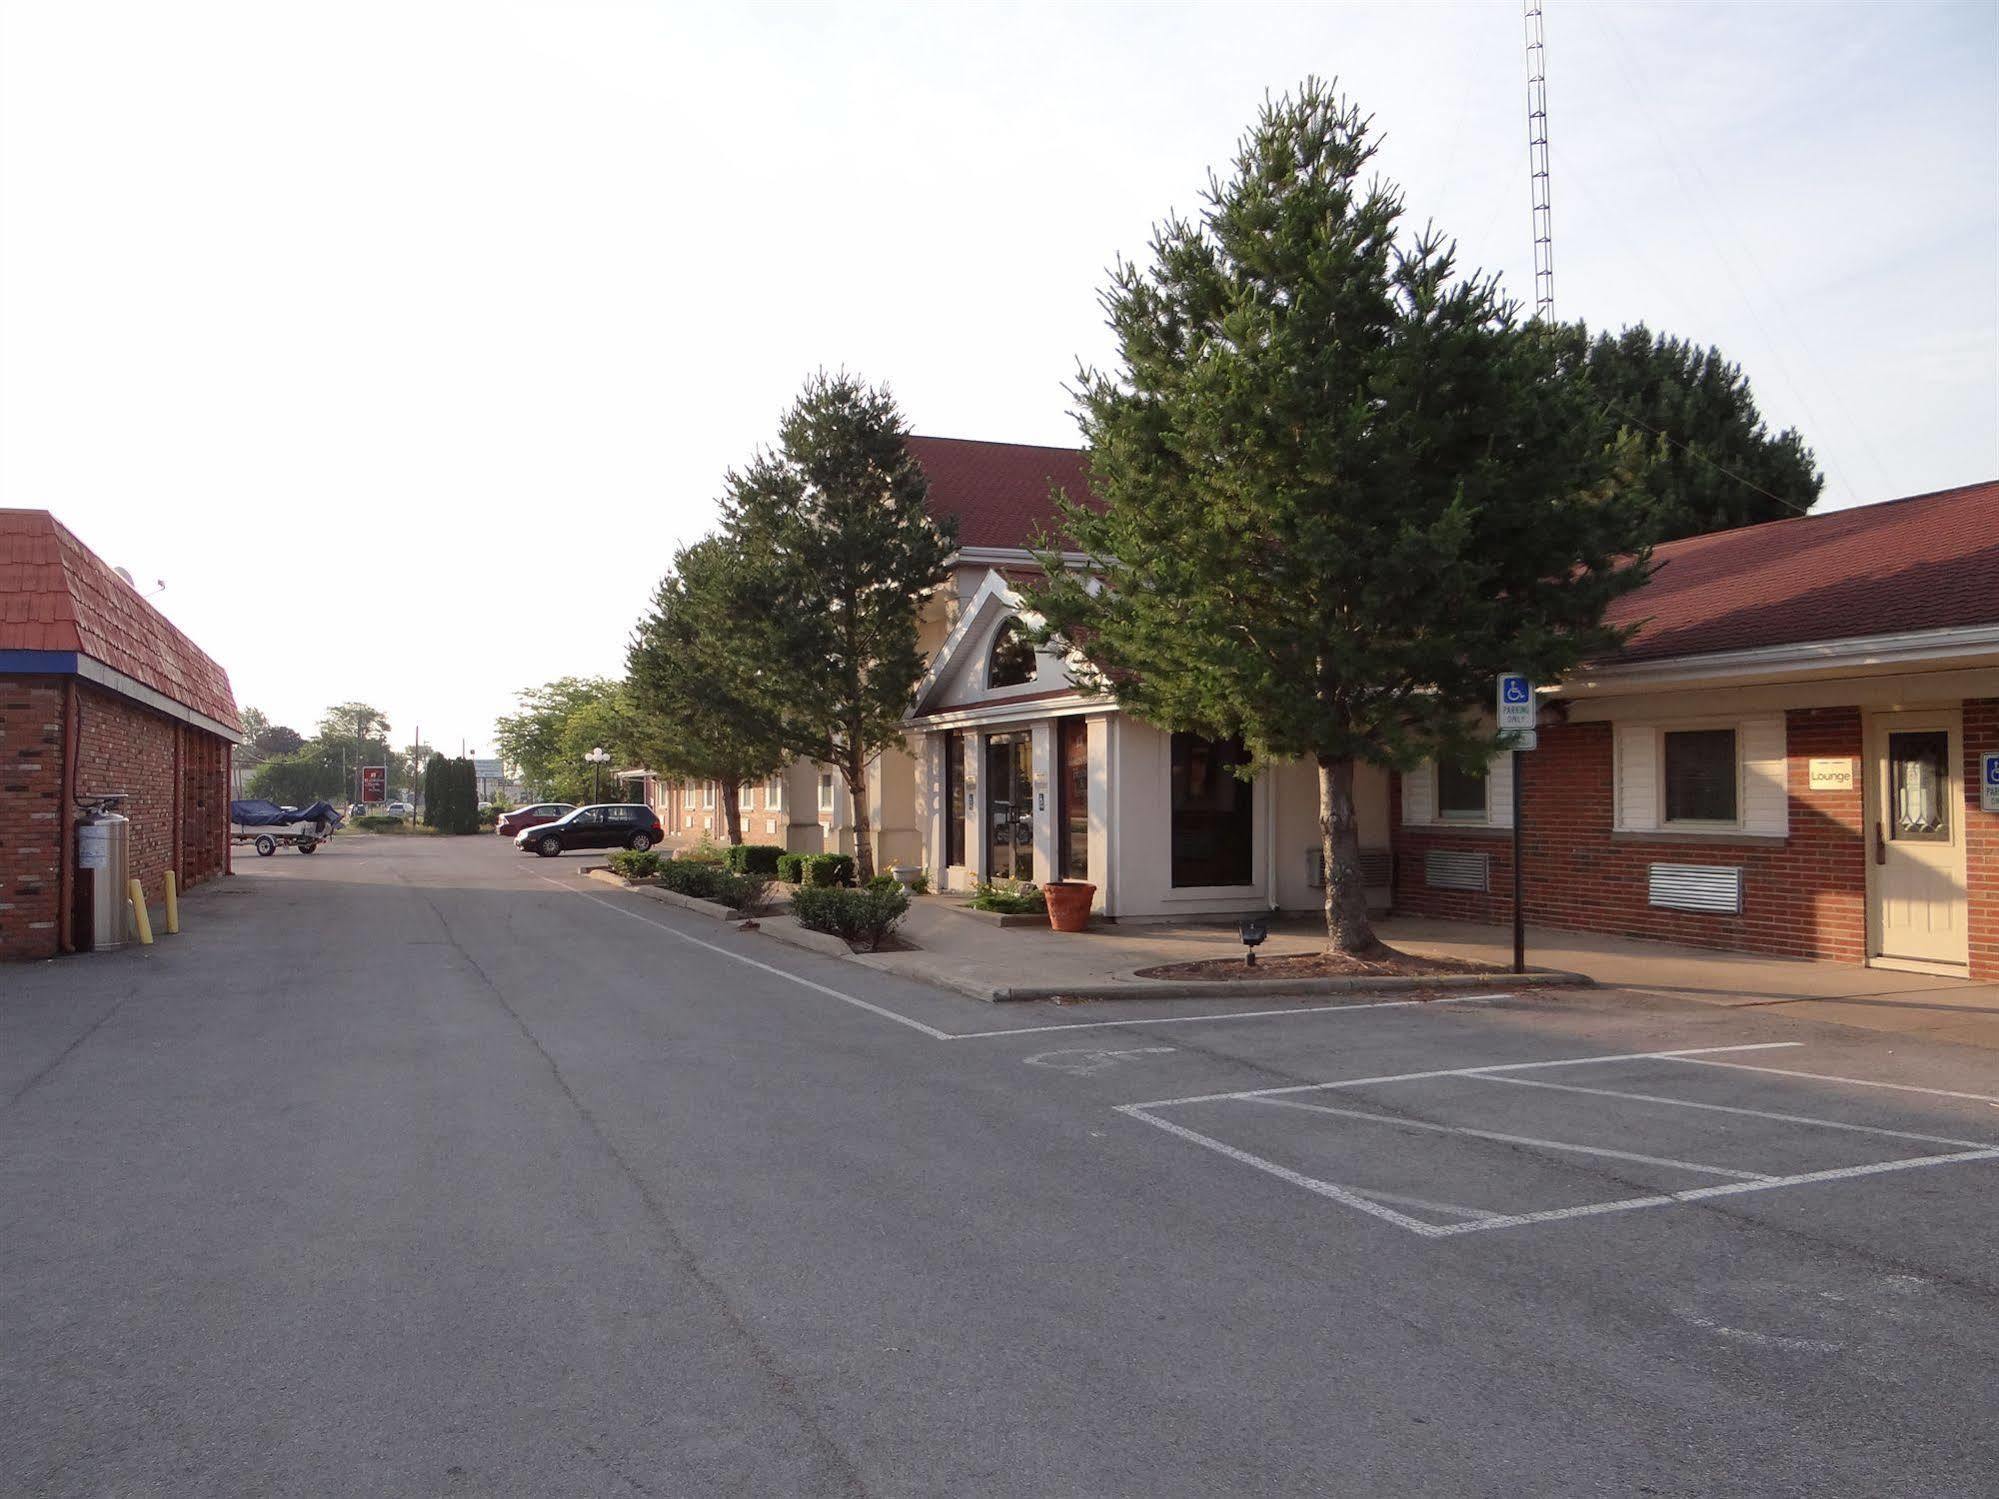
177	850
228	791
66	854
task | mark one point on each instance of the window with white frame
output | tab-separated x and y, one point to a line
1702	776
708	796
826	792
773	793
1462	795
1698	776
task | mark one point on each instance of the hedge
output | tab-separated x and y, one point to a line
451	795
633	865
753	858
826	870
865	918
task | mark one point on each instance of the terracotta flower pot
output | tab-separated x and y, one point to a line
1069	904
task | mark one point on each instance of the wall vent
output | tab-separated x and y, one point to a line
1457	869
1696	887
1377	868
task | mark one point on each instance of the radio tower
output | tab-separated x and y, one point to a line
1537	164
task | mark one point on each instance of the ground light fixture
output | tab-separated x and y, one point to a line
597	757
1253	931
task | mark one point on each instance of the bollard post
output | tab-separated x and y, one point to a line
173	905
141	922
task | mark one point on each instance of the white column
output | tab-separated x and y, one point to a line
1045	800
1099	743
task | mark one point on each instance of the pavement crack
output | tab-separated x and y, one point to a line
66	1053
683	1256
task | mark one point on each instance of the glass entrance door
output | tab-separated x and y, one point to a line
1073	829
1009	792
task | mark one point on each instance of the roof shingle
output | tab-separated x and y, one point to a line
58	595
1001	493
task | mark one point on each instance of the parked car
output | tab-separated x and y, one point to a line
606	825
522	818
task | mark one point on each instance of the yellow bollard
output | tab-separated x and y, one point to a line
141	922
173	906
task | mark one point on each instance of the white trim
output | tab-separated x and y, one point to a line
92	670
1000	711
1010	557
1965	645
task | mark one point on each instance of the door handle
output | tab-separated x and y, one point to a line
1880	846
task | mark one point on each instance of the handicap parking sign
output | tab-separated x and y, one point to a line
1988	784
1516	701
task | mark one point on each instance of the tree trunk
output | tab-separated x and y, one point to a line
864	845
732	810
1347	928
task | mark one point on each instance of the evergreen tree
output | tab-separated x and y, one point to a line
837	551
695	673
1711	462
1341	488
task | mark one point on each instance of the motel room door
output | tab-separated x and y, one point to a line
1916	893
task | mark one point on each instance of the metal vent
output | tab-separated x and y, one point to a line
1696	887
1457	869
1377	868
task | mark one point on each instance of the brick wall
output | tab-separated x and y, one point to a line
1803	896
176	782
30	814
1981	830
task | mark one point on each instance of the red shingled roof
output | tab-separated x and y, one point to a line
1928	562
999	491
58	595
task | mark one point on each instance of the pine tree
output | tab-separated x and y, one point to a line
1341	487
695	672
838	551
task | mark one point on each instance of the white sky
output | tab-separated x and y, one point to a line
341	317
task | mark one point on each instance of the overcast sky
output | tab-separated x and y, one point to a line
344	318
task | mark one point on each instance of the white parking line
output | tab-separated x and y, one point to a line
1021	1030
1858	1082
1723	1108
1410	1077
1487	1134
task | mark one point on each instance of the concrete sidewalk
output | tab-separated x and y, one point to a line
959	952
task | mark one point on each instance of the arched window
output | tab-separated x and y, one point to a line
1011	659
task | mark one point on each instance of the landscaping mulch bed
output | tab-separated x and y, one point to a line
1385	962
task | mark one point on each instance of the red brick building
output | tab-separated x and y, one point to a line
98	693
1787	758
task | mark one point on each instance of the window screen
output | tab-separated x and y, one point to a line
1700	775
1460	794
1212	820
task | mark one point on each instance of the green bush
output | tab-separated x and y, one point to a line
1008	898
451	795
704	852
884	882
863	918
789	867
635	866
753	858
825	870
713	882
376	822
920	885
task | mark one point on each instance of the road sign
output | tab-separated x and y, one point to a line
1988	784
1521	739
1516	701
374	784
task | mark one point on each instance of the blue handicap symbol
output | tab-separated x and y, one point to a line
1992	770
1516	689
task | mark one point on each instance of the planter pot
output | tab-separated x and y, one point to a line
905	874
1069	904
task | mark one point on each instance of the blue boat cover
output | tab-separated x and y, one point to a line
253	814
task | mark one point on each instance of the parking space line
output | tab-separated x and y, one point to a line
1425	1203
1723	1108
1410	1077
1697	1194
1092	1025
1858	1082
1487	1134
1312	1184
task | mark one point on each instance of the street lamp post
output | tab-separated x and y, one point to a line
597	757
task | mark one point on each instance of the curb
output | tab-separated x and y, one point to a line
1194	989
709	908
794	935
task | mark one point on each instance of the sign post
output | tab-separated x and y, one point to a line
1516	720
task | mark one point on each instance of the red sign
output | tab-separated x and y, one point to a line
374	783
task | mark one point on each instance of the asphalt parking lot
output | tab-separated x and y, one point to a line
420	1166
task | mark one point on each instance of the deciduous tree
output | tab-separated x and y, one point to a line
843	551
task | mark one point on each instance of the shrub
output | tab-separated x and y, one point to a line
752	892
451	795
884	882
789	867
754	858
704	852
635	866
1008	898
827	869
863	918
920	885
376	822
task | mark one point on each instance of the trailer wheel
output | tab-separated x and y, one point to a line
266	845
307	845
